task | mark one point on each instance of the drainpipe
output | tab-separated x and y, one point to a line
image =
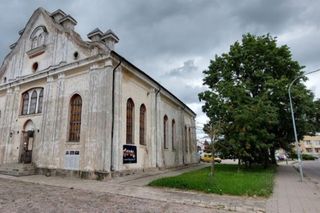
112	116
156	125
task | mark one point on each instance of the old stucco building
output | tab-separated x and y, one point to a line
72	105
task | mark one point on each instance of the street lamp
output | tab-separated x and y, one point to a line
294	123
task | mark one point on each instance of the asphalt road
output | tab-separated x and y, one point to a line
312	169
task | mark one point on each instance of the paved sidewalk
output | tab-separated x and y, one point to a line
131	186
291	195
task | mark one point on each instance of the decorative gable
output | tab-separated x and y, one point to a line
38	40
49	40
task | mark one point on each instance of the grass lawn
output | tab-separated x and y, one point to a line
253	181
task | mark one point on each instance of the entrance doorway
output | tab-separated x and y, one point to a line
27	142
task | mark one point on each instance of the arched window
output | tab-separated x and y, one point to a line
130	114
142	124
33	102
165	132
40	101
38	36
75	118
25	103
173	133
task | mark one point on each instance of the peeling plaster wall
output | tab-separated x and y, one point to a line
153	153
90	76
60	47
140	93
177	155
93	84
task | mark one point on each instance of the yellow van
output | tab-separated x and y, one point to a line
207	157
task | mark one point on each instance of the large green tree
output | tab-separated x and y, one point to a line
248	97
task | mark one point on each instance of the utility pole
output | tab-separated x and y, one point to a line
294	123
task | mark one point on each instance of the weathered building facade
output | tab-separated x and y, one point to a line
74	105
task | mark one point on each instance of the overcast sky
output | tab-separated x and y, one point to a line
173	41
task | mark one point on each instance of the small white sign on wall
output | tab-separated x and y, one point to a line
72	160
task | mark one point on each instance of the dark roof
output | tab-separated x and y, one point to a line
154	81
96	31
69	18
110	33
58	12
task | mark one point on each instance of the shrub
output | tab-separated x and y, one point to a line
303	156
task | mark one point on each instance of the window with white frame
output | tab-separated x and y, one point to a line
32	101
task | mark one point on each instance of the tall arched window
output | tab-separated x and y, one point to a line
142	124
33	102
75	118
173	133
165	132
25	103
130	114
40	101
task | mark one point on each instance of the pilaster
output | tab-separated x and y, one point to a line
159	146
43	148
116	148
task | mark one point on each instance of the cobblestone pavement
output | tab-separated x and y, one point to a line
129	194
57	194
17	196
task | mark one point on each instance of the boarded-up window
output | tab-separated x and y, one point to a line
142	124
25	103
75	118
165	132
33	102
130	111
173	133
40	101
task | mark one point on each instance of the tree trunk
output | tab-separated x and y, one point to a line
273	157
212	163
266	159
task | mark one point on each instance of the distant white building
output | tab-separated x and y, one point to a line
72	105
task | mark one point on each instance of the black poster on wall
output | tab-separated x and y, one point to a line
129	154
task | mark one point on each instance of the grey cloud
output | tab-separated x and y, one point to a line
189	94
184	71
270	16
185	92
306	49
184	81
157	35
